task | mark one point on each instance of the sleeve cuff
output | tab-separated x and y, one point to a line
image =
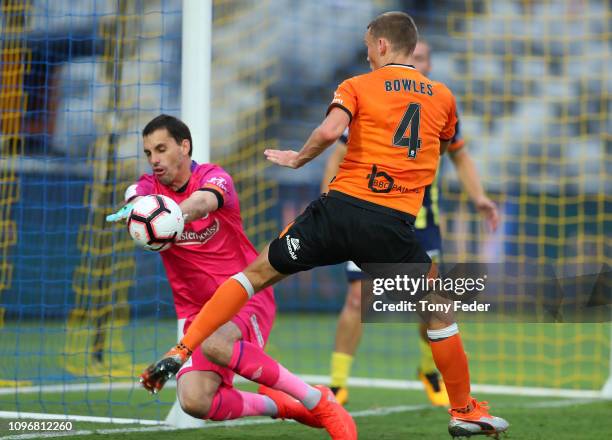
335	104
131	192
217	193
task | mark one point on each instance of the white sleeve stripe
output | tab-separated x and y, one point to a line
242	279
443	333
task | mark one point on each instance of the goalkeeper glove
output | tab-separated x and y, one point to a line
156	375
122	214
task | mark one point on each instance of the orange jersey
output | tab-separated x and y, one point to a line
398	117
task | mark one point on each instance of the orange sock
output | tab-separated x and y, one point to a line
452	363
224	304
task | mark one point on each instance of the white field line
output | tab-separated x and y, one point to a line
554	403
354	382
477	388
376	412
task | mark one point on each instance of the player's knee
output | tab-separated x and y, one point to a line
196	403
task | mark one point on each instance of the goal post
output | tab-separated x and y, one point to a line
195	112
195	74
606	392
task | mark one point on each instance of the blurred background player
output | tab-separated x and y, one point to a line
400	151
349	329
213	247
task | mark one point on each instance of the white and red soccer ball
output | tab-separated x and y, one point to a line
155	222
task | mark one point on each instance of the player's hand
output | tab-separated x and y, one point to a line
156	375
488	210
286	158
122	214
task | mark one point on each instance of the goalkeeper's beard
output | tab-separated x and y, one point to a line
173	175
163	176
169	179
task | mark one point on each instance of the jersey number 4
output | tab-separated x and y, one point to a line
411	120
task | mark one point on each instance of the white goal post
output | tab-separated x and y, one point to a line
195	112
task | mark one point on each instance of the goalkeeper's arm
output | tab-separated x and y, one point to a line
196	206
200	203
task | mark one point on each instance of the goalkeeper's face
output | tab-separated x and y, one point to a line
169	160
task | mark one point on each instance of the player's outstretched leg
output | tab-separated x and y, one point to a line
428	374
468	417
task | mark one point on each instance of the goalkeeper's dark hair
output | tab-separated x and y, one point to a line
177	129
398	28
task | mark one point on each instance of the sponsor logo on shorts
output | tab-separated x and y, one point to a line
293	245
257	374
257	331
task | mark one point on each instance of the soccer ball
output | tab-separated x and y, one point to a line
155	222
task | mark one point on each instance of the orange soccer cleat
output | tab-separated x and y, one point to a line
289	408
475	420
333	417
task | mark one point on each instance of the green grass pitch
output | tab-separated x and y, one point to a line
303	343
410	417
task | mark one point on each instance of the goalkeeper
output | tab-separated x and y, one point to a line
349	330
212	248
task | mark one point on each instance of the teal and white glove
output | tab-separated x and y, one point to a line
122	214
